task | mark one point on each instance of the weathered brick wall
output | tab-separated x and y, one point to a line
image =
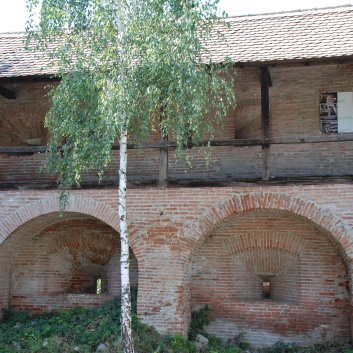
70	255
186	236
225	163
294	109
312	159
308	301
31	169
295	112
295	94
171	226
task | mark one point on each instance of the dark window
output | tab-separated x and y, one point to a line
266	290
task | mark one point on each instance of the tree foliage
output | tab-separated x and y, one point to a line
165	63
122	64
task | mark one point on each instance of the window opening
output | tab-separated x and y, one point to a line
99	286
266	290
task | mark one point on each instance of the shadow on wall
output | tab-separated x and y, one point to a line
275	276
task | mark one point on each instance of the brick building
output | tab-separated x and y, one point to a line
264	235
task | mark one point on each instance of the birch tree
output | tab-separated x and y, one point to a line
122	63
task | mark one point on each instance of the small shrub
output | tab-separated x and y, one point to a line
239	341
180	345
199	319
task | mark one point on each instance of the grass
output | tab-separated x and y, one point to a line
82	330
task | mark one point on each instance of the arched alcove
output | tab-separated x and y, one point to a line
274	275
23	124
57	262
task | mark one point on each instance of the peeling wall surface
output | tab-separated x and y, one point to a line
270	258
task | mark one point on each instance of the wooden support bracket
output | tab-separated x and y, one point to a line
7	93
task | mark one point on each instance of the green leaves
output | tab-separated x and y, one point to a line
111	82
77	125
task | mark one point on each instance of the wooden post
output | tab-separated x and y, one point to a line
265	120
163	153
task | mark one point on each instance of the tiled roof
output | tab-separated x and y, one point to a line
296	35
285	36
15	60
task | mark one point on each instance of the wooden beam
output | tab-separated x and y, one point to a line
163	164
265	101
216	143
195	183
265	120
34	78
22	149
7	93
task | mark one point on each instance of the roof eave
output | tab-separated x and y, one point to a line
345	59
29	78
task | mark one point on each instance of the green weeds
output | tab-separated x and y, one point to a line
82	330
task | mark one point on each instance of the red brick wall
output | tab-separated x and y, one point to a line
295	95
170	226
295	112
309	300
294	109
59	266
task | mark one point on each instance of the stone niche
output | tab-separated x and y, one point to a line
69	263
274	276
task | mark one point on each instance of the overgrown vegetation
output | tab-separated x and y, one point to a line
326	347
83	330
199	319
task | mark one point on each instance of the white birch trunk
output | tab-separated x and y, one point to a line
126	332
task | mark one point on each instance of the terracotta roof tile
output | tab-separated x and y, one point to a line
296	35
308	34
15	60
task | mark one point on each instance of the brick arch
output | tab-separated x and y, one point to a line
27	221
37	214
334	227
265	252
50	204
221	212
26	125
223	269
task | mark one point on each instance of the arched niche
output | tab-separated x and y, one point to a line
57	262
274	275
